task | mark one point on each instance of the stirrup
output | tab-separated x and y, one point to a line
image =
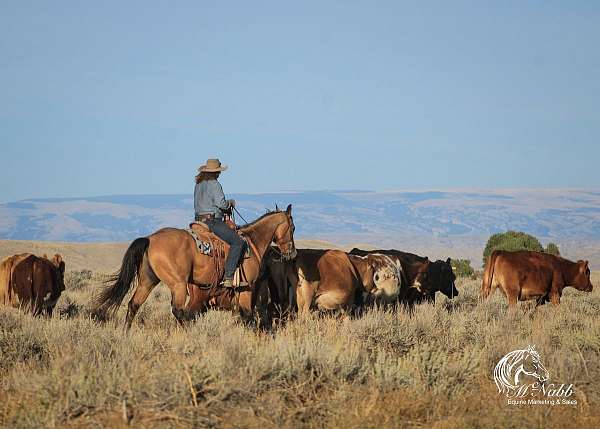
228	283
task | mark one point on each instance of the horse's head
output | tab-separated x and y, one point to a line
284	235
531	365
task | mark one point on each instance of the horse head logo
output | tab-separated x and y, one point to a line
517	363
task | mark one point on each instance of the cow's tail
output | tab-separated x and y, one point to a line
109	300
488	276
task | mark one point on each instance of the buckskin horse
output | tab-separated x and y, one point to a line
170	255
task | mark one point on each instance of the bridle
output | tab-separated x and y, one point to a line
280	242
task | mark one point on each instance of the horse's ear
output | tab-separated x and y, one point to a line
276	208
289	209
449	261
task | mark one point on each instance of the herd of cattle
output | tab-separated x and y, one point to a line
337	280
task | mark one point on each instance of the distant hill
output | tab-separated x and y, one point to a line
452	222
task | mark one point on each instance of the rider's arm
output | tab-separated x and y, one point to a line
219	197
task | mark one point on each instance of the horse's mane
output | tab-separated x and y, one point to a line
250	224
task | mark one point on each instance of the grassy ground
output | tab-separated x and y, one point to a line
384	369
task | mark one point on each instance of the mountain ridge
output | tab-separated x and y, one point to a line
451	220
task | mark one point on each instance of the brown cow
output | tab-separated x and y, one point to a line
423	277
332	280
526	275
28	281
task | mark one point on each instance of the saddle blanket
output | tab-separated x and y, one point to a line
204	247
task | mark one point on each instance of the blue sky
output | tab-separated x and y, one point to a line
130	97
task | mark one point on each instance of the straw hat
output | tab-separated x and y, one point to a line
212	166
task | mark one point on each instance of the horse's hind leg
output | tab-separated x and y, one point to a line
178	298
146	282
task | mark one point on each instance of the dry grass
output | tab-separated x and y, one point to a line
384	369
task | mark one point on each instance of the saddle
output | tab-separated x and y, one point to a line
211	245
206	241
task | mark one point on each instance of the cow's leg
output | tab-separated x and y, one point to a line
305	294
48	312
555	297
260	304
556	290
513	297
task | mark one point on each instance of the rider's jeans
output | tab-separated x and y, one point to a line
236	244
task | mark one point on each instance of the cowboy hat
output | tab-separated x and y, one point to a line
212	166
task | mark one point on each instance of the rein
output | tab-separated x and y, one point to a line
239	214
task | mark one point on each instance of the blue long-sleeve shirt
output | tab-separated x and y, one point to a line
210	199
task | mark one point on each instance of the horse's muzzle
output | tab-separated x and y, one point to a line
291	254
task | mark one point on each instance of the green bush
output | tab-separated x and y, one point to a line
552	249
462	267
511	241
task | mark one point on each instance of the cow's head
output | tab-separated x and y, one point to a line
59	265
387	277
444	278
582	279
422	277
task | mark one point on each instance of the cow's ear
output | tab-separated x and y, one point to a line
289	209
57	260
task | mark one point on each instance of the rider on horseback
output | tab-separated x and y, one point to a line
210	205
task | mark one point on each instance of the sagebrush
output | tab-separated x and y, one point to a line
387	368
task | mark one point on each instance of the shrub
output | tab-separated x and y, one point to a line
462	267
77	280
552	249
511	241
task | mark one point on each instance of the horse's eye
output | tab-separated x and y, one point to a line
376	277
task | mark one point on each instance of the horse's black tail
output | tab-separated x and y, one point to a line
109	300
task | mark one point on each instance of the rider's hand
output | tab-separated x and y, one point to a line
232	203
